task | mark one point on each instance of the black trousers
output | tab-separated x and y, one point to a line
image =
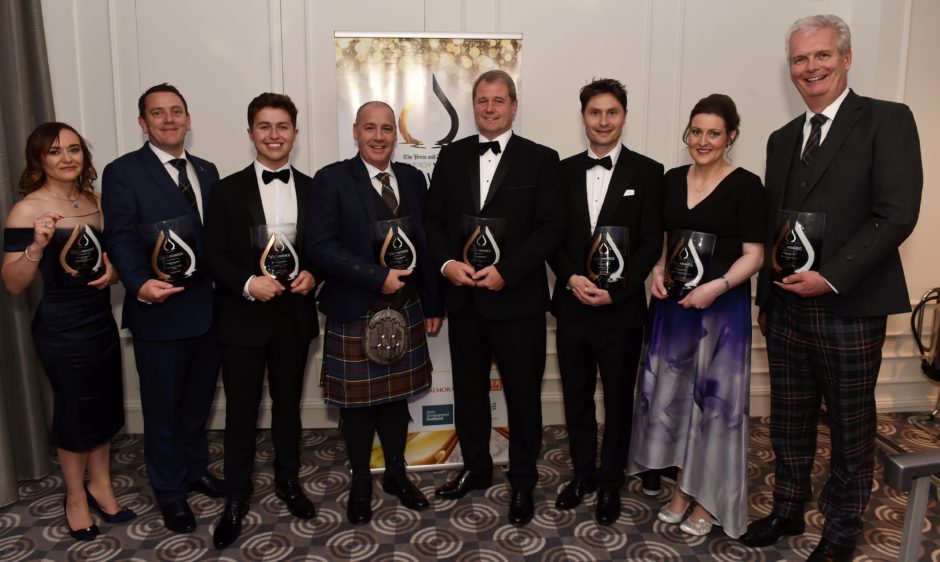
583	350
518	345
243	368
358	427
177	383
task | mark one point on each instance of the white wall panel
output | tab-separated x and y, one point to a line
669	53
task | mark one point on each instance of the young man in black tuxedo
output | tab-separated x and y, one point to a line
856	160
266	323
601	329
499	310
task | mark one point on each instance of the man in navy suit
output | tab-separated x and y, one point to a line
267	319
499	310
175	344
347	201
857	161
601	329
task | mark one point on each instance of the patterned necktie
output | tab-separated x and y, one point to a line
388	194
815	133
185	187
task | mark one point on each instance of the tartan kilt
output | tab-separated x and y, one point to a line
349	379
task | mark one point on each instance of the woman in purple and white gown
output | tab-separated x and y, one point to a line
692	396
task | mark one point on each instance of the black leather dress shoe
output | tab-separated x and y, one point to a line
409	494
768	530
359	504
574	491
608	506
230	525
208	485
831	552
177	517
291	493
462	484
521	507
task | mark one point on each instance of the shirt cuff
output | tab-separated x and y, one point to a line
445	265
831	286
245	292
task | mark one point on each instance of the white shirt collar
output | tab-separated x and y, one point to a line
614	154
372	170
831	109
502	139
165	156
259	167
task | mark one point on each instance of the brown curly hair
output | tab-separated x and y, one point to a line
38	144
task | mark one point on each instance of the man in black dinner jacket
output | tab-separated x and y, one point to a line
498	311
602	329
265	322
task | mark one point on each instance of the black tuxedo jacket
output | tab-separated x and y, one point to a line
868	180
342	214
526	191
634	199
234	207
137	190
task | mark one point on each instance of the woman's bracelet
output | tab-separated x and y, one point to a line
727	284
26	253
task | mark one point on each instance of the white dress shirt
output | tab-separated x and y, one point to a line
597	180
829	112
489	162
376	184
165	158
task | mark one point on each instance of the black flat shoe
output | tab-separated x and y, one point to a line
827	551
359	504
573	493
768	530
86	534
409	494
521	507
123	515
607	510
292	494
177	517
209	486
230	525
462	484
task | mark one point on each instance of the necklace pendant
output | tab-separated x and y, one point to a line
74	203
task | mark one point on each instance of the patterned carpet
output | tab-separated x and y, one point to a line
472	529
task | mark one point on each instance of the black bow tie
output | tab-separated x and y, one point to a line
492	145
591	162
268	176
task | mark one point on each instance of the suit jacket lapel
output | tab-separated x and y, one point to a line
849	114
504	163
580	213
619	180
790	142
205	182
251	196
162	178
362	183
473	176
301	189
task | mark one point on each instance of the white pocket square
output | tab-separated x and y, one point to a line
629	192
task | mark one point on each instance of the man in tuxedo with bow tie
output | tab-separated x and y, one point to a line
857	161
497	311
267	317
601	329
175	343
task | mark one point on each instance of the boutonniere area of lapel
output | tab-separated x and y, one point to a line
629	192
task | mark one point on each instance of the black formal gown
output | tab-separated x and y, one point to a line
76	339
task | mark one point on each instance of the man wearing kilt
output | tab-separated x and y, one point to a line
347	201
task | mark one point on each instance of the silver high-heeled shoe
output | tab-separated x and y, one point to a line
670	517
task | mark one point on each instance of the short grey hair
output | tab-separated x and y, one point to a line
377	103
815	23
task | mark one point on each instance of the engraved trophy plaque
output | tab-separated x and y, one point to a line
393	242
80	251
277	257
688	257
172	251
607	258
483	240
798	247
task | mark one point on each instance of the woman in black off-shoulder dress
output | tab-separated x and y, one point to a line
54	232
